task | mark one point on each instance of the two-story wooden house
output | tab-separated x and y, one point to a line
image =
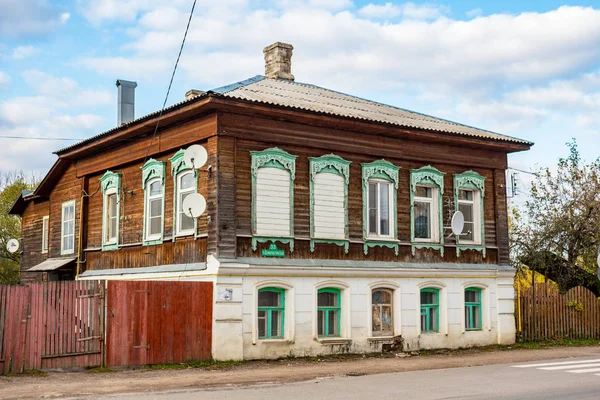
327	226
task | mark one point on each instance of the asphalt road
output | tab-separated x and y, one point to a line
571	378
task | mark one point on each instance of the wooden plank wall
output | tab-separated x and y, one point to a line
547	314
31	244
302	201
151	322
51	325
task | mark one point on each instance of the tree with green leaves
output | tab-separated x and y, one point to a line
557	231
11	185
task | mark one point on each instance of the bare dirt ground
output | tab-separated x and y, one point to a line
84	384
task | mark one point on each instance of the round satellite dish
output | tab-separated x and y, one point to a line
195	156
194	205
458	223
12	245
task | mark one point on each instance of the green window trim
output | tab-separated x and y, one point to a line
426	310
338	308
276	158
385	170
110	181
179	166
333	164
471	180
427	175
470	307
269	314
151	170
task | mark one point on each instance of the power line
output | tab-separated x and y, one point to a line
523	171
171	81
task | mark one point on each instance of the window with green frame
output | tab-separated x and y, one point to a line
328	312
473	309
271	312
430	310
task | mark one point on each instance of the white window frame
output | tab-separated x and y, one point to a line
179	204
106	217
476	202
391	212
45	234
434	220
66	205
147	216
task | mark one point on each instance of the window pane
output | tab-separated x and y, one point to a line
386	318
465	195
468	317
112	233
187	181
422	220
471	296
377	322
155	226
276	323
156	208
262	324
428	298
423	191
155	188
185	222
467	210
112	205
468	233
332	328
384	212
476	317
373	208
327	299
268	299
433	320
424	315
320	322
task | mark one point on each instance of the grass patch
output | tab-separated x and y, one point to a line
36	373
211	365
555	343
100	370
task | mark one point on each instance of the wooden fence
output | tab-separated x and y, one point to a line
62	324
547	314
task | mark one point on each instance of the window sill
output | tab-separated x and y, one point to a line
274	341
334	341
380	339
381	239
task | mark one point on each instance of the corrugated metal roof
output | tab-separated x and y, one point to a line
314	98
312	263
303	96
170	268
51	264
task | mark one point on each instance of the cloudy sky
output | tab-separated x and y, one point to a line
526	69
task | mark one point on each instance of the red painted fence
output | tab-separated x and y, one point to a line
62	324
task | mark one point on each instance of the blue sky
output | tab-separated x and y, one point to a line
526	69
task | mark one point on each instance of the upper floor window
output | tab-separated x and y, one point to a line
45	233
469	191
271	307
473	309
153	175
427	185
186	184
328	312
329	178
380	182
67	235
430	310
111	192
382	316
273	174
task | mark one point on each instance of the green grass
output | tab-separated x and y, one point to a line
555	343
100	370
196	364
35	373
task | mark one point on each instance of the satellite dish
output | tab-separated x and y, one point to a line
194	205
598	260
458	223
195	156
12	245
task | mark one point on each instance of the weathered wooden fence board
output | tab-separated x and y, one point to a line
547	314
151	322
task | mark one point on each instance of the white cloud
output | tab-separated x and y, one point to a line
476	12
406	10
29	17
22	52
132	67
4	80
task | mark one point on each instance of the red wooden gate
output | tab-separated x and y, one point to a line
150	322
51	325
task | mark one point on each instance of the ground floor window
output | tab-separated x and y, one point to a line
382	319
328	312
430	315
271	308
473	309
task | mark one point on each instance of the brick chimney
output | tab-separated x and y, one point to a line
278	61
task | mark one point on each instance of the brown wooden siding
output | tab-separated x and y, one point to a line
301	141
31	229
67	188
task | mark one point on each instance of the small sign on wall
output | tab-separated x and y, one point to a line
273	251
225	294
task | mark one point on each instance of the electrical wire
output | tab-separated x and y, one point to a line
171	81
